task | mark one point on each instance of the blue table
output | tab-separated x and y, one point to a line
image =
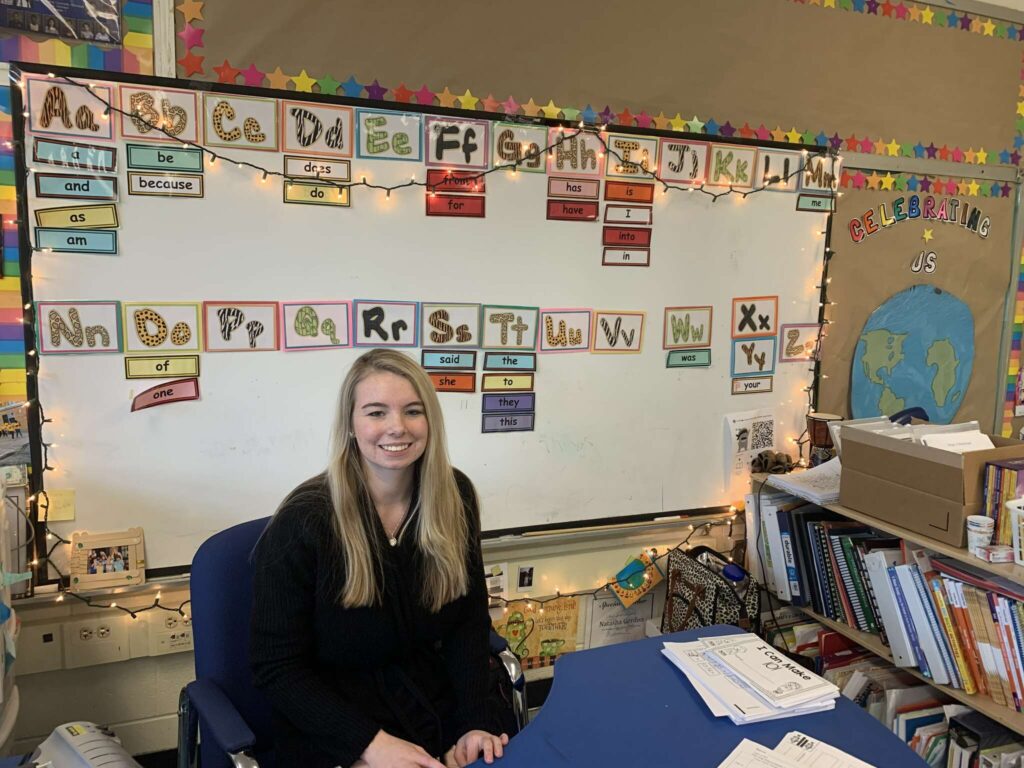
627	705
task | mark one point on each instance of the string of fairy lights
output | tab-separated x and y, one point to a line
44	549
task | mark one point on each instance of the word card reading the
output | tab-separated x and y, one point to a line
453	382
628	192
510	361
389	135
78	217
508	422
317	129
522	144
524	402
688	358
159	114
310	193
386	323
574	155
449	359
161	367
507	382
457	143
572	210
71	154
626	257
245	122
77	240
474	206
165	184
143	157
448	325
586	189
752	386
754	316
683	162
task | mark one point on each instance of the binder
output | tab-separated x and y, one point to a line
908	621
784	520
876	565
941	641
922	622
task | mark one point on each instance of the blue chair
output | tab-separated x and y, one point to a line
221	705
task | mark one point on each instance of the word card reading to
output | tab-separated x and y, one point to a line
315	325
241	326
754	316
386	323
507	382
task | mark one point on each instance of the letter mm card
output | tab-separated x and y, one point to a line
616	331
509	327
754	316
753	357
565	330
78	327
687	327
159	328
385	323
315	325
240	326
450	325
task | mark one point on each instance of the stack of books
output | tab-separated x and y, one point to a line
747	680
1004	480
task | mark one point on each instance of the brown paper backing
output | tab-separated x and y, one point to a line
865	274
775	62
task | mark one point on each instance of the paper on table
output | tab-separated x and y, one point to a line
805	750
819	484
750	754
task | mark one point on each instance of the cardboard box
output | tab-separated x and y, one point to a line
926	490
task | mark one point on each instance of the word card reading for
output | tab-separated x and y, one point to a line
159	114
315	325
507	327
754	316
751	357
683	162
687	327
523	144
565	330
78	326
240	326
317	129
244	122
67	110
386	323
389	136
458	143
450	325
618	331
507	382
158	328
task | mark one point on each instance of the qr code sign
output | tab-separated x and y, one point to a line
762	435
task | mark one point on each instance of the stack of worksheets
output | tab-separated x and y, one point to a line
796	749
747	680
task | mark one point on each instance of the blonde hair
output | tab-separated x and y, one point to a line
442	530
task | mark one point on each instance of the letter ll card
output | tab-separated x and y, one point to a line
574	153
450	325
564	330
240	326
315	324
162	327
506	327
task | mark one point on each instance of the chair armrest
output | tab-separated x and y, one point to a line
223	724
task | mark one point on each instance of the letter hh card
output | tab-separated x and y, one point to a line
389	135
386	323
240	326
315	324
450	325
159	114
452	143
575	153
506	327
162	327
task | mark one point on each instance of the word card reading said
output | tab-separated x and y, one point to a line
506	327
315	325
78	327
162	327
159	114
386	323
245	122
450	325
389	135
241	326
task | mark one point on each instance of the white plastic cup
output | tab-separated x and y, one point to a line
979	532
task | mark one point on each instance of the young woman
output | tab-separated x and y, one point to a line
370	624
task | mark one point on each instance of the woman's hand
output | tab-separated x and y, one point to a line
475	744
387	751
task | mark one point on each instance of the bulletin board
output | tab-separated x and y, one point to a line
587	328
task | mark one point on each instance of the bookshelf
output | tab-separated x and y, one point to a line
1006	716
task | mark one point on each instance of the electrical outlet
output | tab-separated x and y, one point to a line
96	640
172	635
40	648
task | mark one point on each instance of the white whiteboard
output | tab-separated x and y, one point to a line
615	434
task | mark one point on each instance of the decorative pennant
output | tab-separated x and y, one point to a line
159	114
386	323
621	332
753	357
450	325
453	143
565	330
798	342
177	391
389	135
240	326
86	327
66	110
245	122
315	325
754	316
687	327
509	327
317	129
683	162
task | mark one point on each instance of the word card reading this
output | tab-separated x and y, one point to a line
508	422
165	184
310	193
149	157
506	382
626	257
752	386
77	240
159	114
161	367
688	358
71	154
453	382
389	135
523	402
78	217
449	359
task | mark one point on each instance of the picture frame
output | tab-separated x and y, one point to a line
103	560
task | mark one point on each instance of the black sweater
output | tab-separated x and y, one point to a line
336	676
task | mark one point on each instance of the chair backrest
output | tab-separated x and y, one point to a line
221	587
